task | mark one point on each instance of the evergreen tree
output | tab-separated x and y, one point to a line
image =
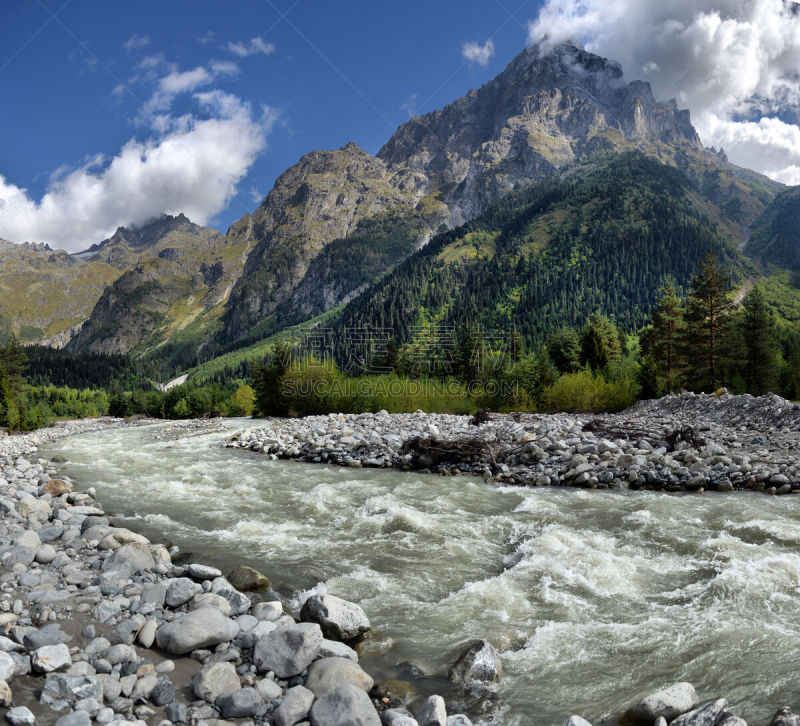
709	337
661	342
761	369
14	360
267	380
600	345
5	397
564	348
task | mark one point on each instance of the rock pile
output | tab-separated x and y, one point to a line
691	442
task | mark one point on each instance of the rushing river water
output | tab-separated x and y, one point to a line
593	598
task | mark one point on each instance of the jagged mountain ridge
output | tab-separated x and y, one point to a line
178	277
338	221
549	110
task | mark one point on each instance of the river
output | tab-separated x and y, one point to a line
593	598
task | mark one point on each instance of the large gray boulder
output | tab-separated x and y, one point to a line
339	619
7	667
135	554
709	714
432	712
326	674
215	680
70	688
51	658
244	703
670	702
345	706
294	707
197	629
180	591
478	663
288	651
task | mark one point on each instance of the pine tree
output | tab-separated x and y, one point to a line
761	369
708	337
661	343
14	360
600	345
564	348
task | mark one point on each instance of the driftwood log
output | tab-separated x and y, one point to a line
631	433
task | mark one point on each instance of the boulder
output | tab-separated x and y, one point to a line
210	600
21	716
294	707
478	663
57	487
288	651
344	706
432	712
670	702
459	719
244	703
135	555
6	667
51	658
70	688
268	689
709	714
203	572
180	591
271	610
577	721
74	718
197	629
247	579
338	618
215	680
326	674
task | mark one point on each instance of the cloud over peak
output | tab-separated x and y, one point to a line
473	52
733	63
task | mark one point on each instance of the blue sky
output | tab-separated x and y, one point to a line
116	112
79	78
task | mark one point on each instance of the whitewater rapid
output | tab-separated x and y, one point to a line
593	598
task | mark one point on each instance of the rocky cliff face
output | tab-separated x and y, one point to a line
324	197
180	277
548	110
45	293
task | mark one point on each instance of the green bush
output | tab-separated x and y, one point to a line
587	392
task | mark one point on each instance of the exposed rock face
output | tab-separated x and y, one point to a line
176	274
549	109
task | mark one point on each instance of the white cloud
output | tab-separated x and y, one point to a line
136	42
728	61
473	52
252	47
194	167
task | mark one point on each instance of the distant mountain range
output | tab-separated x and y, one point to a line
558	130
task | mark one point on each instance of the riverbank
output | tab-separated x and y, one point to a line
94	589
100	625
683	442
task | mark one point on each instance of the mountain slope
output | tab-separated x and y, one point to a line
548	111
600	239
181	277
45	294
775	237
